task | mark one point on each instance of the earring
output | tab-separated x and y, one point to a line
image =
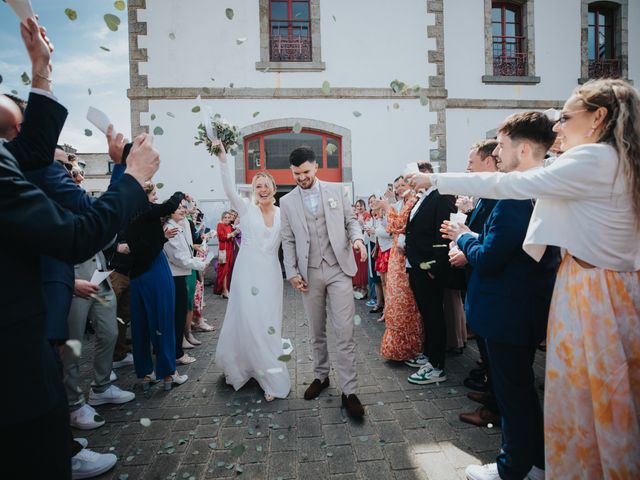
590	133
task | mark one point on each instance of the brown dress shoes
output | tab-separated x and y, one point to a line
353	405
481	417
315	388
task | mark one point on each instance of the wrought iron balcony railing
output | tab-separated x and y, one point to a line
509	57
290	49
605	68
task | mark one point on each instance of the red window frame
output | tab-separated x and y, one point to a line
517	10
290	27
610	13
283	176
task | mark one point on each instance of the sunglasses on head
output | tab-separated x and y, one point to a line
75	173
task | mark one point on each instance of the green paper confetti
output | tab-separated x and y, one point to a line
159	185
297	127
271	330
195	109
71	14
326	87
112	22
25	78
229	13
119	5
254	291
158	131
88	132
284	358
356	113
145	422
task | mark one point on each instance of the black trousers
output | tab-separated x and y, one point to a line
428	293
522	422
482	348
180	312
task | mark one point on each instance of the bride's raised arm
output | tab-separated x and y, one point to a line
237	202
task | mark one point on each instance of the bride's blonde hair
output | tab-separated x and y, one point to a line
269	179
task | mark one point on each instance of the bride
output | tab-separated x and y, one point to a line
250	343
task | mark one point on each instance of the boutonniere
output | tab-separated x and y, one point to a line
332	203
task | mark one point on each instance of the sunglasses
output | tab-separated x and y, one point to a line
564	118
75	173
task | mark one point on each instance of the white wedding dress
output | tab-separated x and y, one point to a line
250	341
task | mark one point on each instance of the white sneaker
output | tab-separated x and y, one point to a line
420	361
126	361
82	441
482	472
185	359
179	379
192	340
186	345
113	377
89	464
535	474
426	375
85	418
112	394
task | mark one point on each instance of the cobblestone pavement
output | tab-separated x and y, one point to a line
203	429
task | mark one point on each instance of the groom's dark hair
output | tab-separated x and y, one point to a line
301	155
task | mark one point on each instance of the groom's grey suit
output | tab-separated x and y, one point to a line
317	246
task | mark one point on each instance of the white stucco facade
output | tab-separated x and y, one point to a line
182	48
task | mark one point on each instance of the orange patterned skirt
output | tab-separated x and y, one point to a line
403	334
592	389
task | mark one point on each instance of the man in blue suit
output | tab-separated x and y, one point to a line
507	303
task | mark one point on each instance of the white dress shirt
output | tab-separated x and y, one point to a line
311	197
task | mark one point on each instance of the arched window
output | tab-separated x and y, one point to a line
290	31
509	41
270	151
601	47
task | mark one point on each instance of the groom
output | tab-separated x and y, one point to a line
318	228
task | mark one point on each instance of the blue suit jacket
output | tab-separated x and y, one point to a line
509	293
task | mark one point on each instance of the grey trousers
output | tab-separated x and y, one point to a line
103	318
330	286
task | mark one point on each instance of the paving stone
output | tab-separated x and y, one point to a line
336	434
400	456
341	459
282	464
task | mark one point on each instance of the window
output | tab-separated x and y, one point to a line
601	44
290	36
290	31
270	151
509	54
509	42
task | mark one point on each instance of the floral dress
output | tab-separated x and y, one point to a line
403	335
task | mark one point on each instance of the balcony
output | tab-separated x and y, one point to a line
292	48
605	68
509	57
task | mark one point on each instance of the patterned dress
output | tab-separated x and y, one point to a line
403	334
593	365
224	269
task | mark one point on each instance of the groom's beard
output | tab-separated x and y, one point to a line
306	185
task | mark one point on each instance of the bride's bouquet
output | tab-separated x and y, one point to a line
219	129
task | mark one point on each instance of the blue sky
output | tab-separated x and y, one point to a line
79	64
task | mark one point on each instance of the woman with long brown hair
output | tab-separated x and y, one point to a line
589	204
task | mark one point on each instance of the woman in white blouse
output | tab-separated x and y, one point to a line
589	204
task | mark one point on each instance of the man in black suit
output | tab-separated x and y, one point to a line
426	252
33	407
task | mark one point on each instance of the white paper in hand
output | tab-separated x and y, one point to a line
207	119
98	277
99	119
22	8
411	168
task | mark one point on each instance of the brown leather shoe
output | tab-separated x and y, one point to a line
353	405
485	398
315	388
481	417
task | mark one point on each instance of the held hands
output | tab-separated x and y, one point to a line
84	288
358	245
222	156
419	180
299	284
451	230
144	160
116	145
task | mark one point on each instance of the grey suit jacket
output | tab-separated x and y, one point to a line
342	227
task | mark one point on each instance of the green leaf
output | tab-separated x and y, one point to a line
238	450
220	464
281	437
326	87
297	127
396	105
15	92
71	14
356	113
169	114
424	99
254	291
331	148
158	131
259	448
239	469
25	78
363	438
172	36
271	331
229	466
112	22
229	13
153	116
255	114
119	5
357	320
334	18
286	345
329	454
145	422
241	40
195	109
159	185
89	91
88	132
284	358
206	90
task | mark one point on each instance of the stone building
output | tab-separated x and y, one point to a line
386	83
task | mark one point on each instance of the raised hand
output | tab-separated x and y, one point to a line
39	48
116	145
222	154
419	180
144	160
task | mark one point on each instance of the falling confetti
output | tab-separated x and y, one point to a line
158	131
112	22
25	78
241	40
356	113
229	13
424	99
169	114
159	185
254	291
195	109
255	114
172	36
284	358
153	116
357	320
119	5
326	87
88	132
271	331
71	14
396	105
145	422
331	148
297	127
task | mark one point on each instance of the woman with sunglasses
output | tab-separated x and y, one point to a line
589	204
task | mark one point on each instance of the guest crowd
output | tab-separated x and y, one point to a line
535	253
